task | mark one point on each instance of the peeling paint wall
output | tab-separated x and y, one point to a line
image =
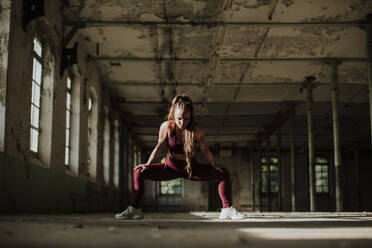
291	10
28	174
5	7
143	10
18	94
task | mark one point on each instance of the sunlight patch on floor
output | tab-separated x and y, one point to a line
309	233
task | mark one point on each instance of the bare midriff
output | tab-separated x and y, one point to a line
177	156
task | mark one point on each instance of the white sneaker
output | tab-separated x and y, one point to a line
130	213
230	213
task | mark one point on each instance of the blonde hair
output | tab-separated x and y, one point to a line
184	103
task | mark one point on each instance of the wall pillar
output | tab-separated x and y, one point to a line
280	190
336	137
309	101
369	61
356	176
252	181
259	177
268	174
293	158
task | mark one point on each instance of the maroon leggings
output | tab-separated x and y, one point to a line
176	169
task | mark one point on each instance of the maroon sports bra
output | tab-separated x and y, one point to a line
174	145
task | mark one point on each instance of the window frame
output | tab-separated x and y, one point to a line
68	92
271	176
328	165
89	127
40	60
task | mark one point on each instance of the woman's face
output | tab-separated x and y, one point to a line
182	118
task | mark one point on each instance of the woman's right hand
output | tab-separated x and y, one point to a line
143	166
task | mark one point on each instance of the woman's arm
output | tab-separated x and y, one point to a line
200	135
163	134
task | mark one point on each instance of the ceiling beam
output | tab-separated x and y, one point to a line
94	23
285	135
123	101
226	84
262	121
206	60
285	145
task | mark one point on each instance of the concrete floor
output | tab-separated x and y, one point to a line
193	229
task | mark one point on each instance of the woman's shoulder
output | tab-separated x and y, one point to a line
164	129
166	124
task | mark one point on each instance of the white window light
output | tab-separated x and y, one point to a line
36	96
68	122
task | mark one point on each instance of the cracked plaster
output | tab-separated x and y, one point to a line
194	42
141	10
252	4
4	39
239	42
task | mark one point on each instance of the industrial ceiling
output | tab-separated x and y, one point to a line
244	64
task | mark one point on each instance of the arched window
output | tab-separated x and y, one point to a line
92	135
106	148
37	80
116	154
68	121
42	88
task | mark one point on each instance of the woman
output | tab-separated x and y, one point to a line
180	134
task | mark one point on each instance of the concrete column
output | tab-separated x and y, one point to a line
253	181
336	136
268	175
5	46
125	165
293	159
309	101
356	178
279	151
369	59
259	177
122	165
